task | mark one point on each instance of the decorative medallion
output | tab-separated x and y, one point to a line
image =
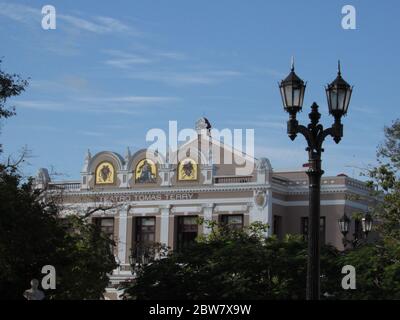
146	171
187	170
105	173
260	199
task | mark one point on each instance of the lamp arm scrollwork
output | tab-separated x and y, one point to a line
314	133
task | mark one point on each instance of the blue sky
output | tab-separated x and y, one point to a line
113	70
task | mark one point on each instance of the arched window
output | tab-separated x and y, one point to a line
145	171
187	170
105	173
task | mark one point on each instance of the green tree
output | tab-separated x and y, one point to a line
377	264
232	264
377	268
11	85
386	177
32	233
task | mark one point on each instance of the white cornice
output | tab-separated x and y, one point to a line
323	203
332	188
162	203
188	189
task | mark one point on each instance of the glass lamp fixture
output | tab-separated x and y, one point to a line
366	223
344	224
292	92
338	94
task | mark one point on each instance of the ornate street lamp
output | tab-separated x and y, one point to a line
344	225
292	90
338	94
366	224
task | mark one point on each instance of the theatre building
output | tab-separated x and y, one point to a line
146	197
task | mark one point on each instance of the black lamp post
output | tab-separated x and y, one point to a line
338	95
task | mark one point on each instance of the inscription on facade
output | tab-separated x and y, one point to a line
149	197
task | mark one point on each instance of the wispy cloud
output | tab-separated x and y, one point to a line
133	100
37	127
112	126
186	78
172	55
20	13
74	82
99	24
366	110
141	65
281	157
40	105
114	25
128	105
144	55
91	133
125	60
257	124
63	85
270	72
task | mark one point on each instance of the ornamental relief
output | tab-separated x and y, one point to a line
187	170
260	199
146	171
105	173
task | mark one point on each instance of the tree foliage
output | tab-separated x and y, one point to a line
377	268
32	233
232	264
386	177
378	263
10	85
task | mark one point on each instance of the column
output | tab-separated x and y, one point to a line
207	215
164	227
123	215
270	219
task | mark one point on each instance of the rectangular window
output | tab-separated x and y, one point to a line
322	228
187	231
277	227
106	226
233	221
145	232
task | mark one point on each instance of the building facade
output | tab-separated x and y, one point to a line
146	197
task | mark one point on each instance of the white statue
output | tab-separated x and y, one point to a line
34	293
203	124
